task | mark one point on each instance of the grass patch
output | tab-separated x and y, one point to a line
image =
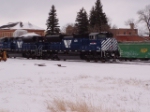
79	106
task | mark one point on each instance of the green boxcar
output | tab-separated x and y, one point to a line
138	50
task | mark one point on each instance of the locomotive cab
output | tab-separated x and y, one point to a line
5	43
93	36
97	36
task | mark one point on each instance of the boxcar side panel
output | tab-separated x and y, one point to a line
134	50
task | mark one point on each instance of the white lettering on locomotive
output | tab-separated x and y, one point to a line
67	43
19	43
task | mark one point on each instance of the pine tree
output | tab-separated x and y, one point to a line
52	22
98	19
92	19
82	22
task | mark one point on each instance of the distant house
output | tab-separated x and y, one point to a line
125	31
130	39
8	29
127	34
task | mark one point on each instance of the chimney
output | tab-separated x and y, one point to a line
131	25
21	24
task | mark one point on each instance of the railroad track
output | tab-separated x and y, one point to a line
135	62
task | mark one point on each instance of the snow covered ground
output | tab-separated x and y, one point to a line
27	86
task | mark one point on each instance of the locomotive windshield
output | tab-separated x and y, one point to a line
101	36
94	36
4	39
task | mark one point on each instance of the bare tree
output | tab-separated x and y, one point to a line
144	16
69	29
131	22
141	32
114	27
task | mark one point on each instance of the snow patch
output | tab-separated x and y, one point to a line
25	87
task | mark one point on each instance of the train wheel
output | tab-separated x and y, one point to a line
114	60
0	55
111	60
87	59
57	58
28	55
103	60
96	60
33	56
82	56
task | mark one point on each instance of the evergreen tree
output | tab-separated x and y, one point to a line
92	19
98	19
82	22
52	22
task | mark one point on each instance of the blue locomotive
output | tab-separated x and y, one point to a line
94	46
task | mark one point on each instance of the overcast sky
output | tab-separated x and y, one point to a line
36	11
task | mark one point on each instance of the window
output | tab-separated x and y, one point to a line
91	37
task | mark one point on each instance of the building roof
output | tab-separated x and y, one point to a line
20	25
125	29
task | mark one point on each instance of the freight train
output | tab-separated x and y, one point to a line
93	46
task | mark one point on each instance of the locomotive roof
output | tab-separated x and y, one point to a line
69	36
102	33
96	33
